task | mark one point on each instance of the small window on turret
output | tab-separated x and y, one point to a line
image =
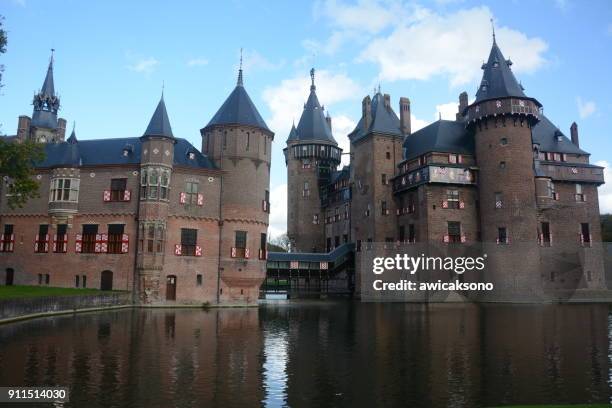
503	141
191	155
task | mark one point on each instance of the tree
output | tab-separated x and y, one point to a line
280	243
17	162
606	227
2	46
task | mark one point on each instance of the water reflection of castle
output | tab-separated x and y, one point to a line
332	354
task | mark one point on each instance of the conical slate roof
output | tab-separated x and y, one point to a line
238	109
46	103
313	125
72	139
293	133
159	124
498	81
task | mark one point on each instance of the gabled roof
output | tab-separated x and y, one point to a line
498	81
238	109
159	125
446	136
383	120
111	151
312	125
546	134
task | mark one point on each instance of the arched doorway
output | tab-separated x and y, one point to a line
10	276
171	287
106	280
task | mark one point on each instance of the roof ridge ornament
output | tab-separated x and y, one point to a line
312	78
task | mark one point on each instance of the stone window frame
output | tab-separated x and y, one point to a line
155	178
156	242
72	190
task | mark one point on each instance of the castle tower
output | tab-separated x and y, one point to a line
501	119
239	142
157	157
311	156
44	125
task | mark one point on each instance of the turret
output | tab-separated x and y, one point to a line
501	119
239	142
156	166
311	155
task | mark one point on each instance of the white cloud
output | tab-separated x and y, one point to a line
366	15
197	62
585	108
451	45
416	124
278	211
448	110
605	191
286	100
342	125
143	65
253	60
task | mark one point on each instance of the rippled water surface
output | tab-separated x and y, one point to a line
317	354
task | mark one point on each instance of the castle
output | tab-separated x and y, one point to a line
501	176
151	214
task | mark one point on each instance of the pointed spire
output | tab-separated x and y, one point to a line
493	30
239	82
46	102
312	124
73	139
159	125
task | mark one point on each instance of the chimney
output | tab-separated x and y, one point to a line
463	103
574	133
328	120
366	112
23	128
61	129
387	101
404	107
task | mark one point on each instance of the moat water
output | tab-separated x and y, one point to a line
318	354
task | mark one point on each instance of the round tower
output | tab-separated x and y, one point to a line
239	142
501	119
157	158
311	156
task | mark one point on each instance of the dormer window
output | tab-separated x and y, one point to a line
191	155
127	149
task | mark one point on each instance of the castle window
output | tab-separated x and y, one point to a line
384	179
240	244
388	155
452	198
546	238
115	238
64	189
306	190
336	241
344	238
503	141
454	231
84	281
199	280
153	183
89	238
367	211
346	211
383	208
585	233
76	281
189	238
337	214
191	193
315	218
164	182
502	165
402	233
265	143
159	239
224	139
499	200
502	235
358	246
60	244
248	140
117	191
580	196
411	233
42	239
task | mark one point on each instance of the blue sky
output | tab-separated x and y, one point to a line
112	57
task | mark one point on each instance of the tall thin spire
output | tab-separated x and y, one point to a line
493	30
239	83
46	102
312	76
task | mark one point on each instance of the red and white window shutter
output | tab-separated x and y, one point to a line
78	243
247	252
198	250
446	239
294	265
323	265
182	198
200	199
178	249
127	195
444	204
101	245
107	195
125	243
461	205
234	252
